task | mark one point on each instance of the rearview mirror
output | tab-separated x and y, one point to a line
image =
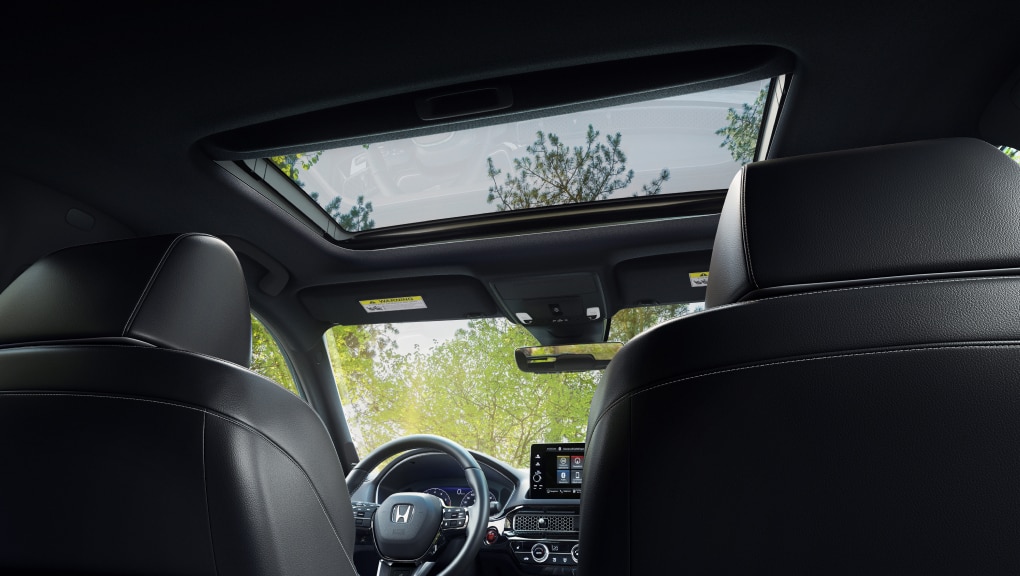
568	358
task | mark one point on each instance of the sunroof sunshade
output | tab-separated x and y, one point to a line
672	145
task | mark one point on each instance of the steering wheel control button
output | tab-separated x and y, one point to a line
540	552
454	513
454	518
363	513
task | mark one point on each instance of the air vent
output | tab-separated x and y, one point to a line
531	522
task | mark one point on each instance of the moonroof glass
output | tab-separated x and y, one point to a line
669	146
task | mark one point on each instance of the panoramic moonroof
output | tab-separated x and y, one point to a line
672	145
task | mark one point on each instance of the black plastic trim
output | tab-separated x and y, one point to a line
542	219
524	96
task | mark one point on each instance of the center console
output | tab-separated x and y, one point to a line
557	470
544	537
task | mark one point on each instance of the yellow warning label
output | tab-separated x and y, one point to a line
699	279
393	304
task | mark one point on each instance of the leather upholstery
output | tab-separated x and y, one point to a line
183	292
863	419
130	448
930	207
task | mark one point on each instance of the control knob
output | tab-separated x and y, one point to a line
539	552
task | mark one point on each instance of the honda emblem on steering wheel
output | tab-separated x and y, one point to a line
401	513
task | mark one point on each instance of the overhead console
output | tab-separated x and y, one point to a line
557	309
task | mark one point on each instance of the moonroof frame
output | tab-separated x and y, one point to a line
640	79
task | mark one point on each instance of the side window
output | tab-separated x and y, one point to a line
1011	152
267	359
630	322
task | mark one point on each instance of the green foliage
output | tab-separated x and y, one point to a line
292	164
556	174
363	358
267	359
467	389
1013	153
740	136
630	322
356	219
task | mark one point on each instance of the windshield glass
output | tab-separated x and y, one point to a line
458	379
671	145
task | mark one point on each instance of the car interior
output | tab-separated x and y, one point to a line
334	289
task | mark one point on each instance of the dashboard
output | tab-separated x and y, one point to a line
439	475
534	512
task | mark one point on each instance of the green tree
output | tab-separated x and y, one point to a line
740	135
555	174
267	359
1011	152
292	164
630	322
356	219
363	358
469	389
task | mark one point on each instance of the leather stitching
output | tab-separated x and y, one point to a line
743	226
150	283
825	357
755	366
205	492
140	346
865	287
225	419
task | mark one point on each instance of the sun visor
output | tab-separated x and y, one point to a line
404	300
666	279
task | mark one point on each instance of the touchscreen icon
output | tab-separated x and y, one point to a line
576	462
575	476
563	461
563	476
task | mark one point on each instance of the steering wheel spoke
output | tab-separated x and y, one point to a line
404	568
410	528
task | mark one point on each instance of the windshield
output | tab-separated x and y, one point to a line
678	144
458	379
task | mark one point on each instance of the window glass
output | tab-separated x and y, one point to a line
459	380
685	143
1011	152
267	359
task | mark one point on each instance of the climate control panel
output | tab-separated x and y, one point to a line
544	540
545	552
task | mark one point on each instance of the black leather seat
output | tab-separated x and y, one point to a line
850	401
135	441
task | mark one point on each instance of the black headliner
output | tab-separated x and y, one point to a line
105	110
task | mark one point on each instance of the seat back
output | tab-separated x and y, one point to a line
135	439
848	403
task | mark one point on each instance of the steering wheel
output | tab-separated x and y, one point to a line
410	528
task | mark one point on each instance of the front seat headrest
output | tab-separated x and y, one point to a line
184	292
919	208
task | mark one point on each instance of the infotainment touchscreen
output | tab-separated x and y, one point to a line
557	470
